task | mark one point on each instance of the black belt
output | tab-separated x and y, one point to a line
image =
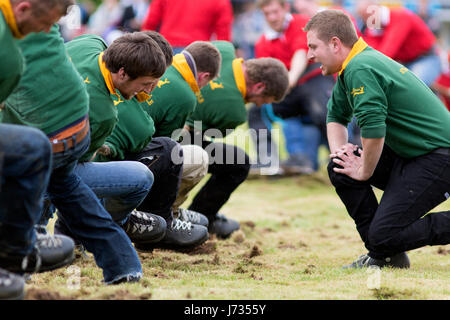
444	151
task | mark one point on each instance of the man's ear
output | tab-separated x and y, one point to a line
22	11
122	74
203	78
335	44
258	88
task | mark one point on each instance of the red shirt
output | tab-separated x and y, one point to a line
184	21
284	47
404	39
444	80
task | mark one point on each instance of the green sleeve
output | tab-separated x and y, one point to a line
339	109
367	95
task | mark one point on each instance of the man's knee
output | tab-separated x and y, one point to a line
342	180
195	162
382	239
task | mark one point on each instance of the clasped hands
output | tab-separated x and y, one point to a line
352	164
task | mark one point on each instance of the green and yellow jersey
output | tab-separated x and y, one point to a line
223	104
389	102
133	132
11	60
51	93
86	53
174	99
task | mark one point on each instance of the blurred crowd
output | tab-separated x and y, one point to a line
112	18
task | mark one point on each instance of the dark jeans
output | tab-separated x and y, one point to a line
81	212
164	157
25	164
412	187
229	166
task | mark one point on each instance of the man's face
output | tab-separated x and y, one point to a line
259	99
321	52
275	15
129	88
28	21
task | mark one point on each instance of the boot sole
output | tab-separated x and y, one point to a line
174	247
63	263
20	296
154	240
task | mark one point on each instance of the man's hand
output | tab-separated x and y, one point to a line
352	165
345	149
104	150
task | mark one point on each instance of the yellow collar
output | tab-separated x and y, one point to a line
143	96
239	76
181	65
107	75
6	8
358	47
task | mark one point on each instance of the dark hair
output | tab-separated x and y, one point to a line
333	23
164	45
138	54
207	57
270	71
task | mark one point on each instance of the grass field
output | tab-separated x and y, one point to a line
295	236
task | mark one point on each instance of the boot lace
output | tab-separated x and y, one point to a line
189	215
362	260
47	241
140	222
179	225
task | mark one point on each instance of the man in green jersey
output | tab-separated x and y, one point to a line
405	144
129	67
59	107
220	110
25	157
172	101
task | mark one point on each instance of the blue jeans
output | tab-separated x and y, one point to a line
302	138
25	164
81	212
122	185
427	68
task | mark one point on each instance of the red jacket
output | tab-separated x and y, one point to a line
404	39
184	21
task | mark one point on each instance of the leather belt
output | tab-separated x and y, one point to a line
444	151
68	139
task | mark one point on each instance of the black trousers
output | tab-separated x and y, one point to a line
229	166
164	157
412	187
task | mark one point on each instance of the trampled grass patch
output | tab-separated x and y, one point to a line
295	236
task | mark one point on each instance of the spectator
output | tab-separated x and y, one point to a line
249	24
184	21
106	18
403	36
